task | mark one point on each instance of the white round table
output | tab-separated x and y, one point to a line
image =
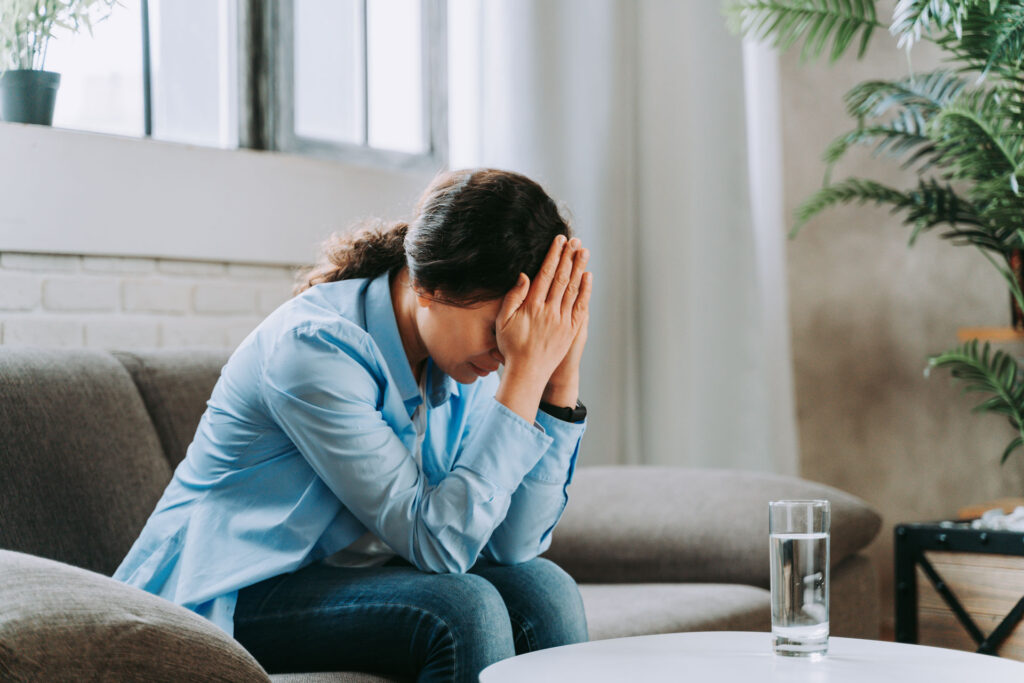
732	656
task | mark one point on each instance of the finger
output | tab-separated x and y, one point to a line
579	265
542	281
563	273
581	308
513	299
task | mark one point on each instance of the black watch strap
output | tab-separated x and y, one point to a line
567	414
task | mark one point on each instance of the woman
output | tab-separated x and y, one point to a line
363	491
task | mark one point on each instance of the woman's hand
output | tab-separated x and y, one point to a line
540	322
563	388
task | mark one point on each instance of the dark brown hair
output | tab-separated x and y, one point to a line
472	233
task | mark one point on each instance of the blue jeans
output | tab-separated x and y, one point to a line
396	619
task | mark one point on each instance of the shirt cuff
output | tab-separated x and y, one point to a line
557	463
504	447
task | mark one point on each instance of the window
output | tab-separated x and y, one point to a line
193	71
101	76
361	81
358	79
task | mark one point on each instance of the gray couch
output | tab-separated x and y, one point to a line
90	439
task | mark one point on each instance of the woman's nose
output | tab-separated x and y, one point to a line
496	355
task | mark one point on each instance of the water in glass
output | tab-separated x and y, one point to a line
799	575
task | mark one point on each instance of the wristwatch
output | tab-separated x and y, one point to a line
562	413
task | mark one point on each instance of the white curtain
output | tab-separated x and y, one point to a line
632	114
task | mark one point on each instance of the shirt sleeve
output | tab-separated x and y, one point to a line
537	504
324	390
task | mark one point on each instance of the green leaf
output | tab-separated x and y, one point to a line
991	39
976	139
927	93
904	136
995	373
928	205
1014	445
784	22
913	19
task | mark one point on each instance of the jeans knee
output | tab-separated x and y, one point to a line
556	611
473	614
470	602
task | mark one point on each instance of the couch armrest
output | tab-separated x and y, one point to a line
60	622
635	524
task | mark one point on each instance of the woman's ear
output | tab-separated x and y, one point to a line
423	299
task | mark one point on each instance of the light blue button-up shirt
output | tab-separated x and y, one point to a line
307	442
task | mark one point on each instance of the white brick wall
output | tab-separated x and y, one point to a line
156	295
124	303
221	298
19	292
80	294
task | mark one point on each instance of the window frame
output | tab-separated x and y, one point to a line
266	92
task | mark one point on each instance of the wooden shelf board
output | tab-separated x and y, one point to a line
991	334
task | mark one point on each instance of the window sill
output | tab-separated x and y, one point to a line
75	192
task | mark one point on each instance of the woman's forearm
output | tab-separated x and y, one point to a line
521	390
564	393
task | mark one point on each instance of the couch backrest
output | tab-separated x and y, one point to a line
175	386
81	465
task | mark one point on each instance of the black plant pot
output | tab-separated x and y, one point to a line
28	96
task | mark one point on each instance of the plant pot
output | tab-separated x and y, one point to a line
28	96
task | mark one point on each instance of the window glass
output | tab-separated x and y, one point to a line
395	69
359	75
194	67
100	74
328	82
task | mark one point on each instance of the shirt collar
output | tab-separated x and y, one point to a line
382	326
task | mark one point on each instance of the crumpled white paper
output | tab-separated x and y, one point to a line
998	520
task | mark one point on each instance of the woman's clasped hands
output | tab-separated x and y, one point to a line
542	327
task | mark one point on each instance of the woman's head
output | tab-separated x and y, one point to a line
472	233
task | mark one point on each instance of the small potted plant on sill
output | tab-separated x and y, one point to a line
961	129
27	92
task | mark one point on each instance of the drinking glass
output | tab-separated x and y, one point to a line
798	532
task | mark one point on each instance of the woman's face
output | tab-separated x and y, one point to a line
460	339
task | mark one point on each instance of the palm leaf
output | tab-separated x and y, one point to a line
913	19
991	39
784	22
977	139
926	93
899	137
907	107
928	205
1001	207
991	373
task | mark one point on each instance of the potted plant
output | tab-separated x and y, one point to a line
961	129
27	92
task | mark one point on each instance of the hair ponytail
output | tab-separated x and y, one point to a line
366	252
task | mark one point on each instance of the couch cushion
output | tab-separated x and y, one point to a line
175	386
62	623
626	524
82	467
638	609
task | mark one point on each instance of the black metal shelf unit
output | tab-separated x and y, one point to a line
911	542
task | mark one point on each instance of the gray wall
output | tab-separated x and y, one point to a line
866	311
